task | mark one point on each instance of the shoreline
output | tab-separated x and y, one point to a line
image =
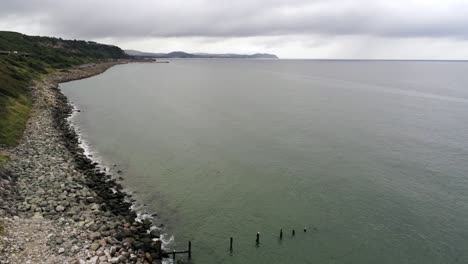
62	194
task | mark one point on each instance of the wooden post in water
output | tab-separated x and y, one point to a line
230	244
190	249
173	255
258	238
293	232
281	234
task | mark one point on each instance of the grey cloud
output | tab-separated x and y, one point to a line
242	18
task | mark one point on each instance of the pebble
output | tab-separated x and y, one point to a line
112	250
115	259
93	260
95	246
59	208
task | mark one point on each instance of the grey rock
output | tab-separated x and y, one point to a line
93	260
94	235
115	260
155	233
37	215
95	207
112	251
94	246
75	249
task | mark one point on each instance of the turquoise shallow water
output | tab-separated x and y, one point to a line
370	156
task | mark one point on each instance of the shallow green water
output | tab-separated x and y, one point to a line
371	157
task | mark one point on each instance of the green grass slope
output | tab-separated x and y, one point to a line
31	57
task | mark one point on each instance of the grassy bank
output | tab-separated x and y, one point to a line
3	158
26	58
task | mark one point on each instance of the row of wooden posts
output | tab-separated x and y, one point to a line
257	241
188	251
231	241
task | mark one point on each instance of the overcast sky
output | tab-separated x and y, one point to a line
353	29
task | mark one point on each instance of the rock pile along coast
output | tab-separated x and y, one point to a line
56	206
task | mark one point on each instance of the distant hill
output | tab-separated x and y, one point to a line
143	54
181	54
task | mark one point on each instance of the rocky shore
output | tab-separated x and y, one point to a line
56	206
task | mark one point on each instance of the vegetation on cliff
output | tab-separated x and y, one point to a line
25	58
3	158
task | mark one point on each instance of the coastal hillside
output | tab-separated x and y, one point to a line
24	58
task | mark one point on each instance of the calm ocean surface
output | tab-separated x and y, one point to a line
370	156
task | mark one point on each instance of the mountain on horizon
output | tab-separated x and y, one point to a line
182	54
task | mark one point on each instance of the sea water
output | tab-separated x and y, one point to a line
370	156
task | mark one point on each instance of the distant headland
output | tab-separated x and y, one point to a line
181	54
